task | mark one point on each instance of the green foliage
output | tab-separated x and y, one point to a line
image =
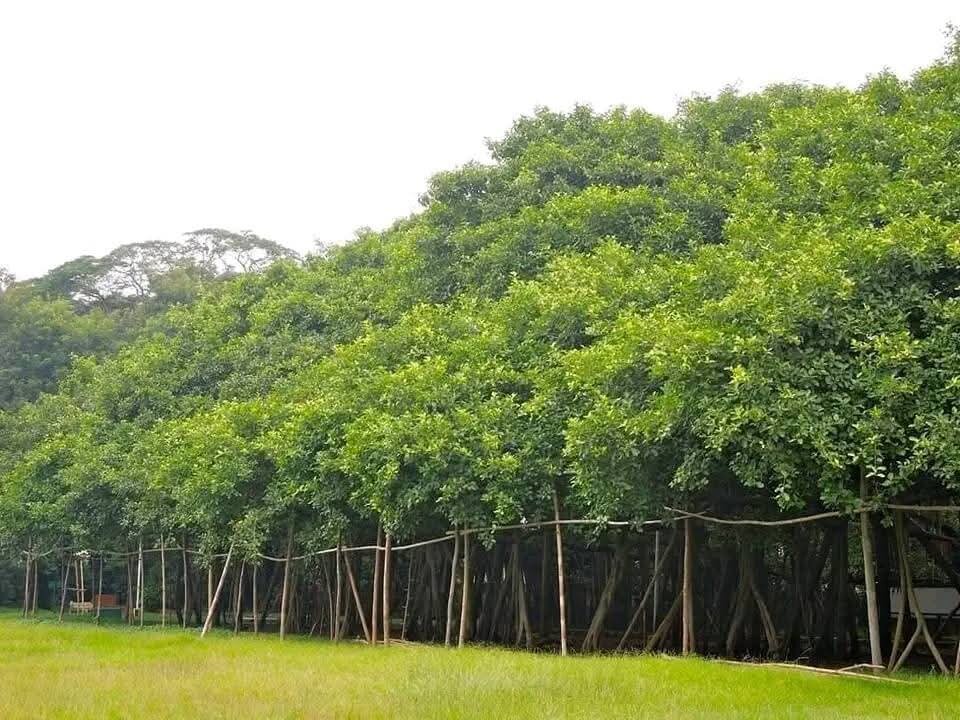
742	307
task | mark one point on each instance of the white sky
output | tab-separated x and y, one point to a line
130	121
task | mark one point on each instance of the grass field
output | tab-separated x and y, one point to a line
77	671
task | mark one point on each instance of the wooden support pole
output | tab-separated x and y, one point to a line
910	594
406	602
892	663
561	589
163	582
523	614
652	584
140	579
285	593
210	583
338	610
100	588
211	609
345	618
615	571
665	625
656	580
256	609
387	552
451	594
329	590
33	596
869	577
956	664
356	597
544	559
238	604
63	588
26	585
881	548
130	597
186	582
689	636
377	575
467	591
906	651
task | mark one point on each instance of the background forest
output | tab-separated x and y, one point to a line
741	310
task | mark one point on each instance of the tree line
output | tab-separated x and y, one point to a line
751	308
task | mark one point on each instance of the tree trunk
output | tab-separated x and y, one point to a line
329	592
63	589
26	585
806	578
216	595
238	604
740	607
660	561
766	619
130	599
656	578
285	593
832	626
356	598
406	602
433	616
377	589
451	594
901	615
186	583
689	636
561	590
140	582
592	639
99	589
882	550
500	574
935	552
488	568
465	593
869	577
163	583
36	586
842	580
665	625
544	565
337	604
523	620
912	597
387	561
255	610
268	594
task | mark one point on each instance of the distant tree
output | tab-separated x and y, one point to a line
223	252
6	278
130	270
75	280
130	274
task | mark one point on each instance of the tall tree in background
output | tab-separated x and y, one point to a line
92	305
6	278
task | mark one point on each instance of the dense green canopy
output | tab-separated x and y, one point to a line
741	308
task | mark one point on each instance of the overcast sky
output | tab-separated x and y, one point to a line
130	121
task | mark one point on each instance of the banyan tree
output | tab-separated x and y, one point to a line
637	384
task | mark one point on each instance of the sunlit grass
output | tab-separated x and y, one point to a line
77	670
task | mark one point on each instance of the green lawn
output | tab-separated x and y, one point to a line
77	670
